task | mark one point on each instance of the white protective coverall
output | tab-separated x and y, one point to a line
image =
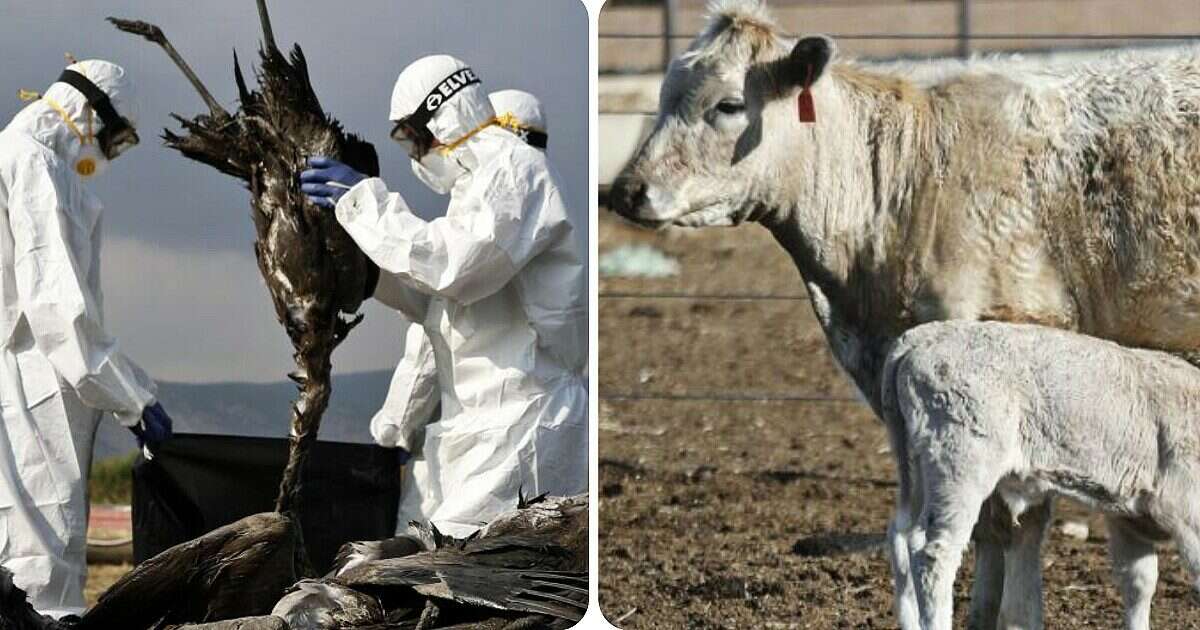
498	285
59	369
413	394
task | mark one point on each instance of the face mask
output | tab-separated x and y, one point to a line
438	172
89	160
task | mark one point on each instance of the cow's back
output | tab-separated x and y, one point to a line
1069	195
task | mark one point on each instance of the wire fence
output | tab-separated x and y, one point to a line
965	36
724	396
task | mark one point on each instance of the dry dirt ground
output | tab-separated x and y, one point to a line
718	514
102	576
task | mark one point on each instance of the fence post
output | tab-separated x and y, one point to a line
670	8
964	28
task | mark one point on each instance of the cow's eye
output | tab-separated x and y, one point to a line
731	106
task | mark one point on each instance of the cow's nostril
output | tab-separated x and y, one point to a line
627	196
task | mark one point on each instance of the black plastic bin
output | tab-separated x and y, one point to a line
197	483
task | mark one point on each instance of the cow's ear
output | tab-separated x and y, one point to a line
809	57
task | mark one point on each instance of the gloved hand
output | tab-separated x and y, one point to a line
154	428
326	180
403	455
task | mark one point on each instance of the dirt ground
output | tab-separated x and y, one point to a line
102	576
719	514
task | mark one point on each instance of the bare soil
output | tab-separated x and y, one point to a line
102	576
736	514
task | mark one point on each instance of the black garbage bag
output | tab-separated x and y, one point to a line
197	483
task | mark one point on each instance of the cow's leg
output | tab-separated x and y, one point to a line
1135	568
952	500
1021	606
991	536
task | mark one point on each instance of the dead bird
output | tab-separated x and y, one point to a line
319	605
234	571
245	623
16	613
532	560
353	554
316	275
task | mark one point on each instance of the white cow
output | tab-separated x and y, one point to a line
1066	194
1029	412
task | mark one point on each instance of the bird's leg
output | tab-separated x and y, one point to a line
155	34
429	616
306	421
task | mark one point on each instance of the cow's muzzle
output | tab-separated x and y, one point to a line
628	198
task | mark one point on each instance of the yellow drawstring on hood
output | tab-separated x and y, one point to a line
446	149
512	123
504	121
85	165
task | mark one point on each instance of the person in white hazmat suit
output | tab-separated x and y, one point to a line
498	285
59	369
412	400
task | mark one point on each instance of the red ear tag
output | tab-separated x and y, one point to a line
804	103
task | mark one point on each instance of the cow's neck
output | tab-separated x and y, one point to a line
847	243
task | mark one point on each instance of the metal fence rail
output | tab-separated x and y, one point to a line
951	36
764	397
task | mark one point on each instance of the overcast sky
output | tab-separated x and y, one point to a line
182	291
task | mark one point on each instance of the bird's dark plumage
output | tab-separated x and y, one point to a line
245	623
238	570
532	560
318	605
316	275
16	613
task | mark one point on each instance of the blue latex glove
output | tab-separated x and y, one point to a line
326	180
155	427
403	455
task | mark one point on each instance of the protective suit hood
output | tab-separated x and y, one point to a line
44	122
443	94
522	113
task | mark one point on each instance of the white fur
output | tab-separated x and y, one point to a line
1029	412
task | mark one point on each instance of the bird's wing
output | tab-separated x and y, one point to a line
558	593
245	623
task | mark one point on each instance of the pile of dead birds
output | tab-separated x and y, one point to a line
526	569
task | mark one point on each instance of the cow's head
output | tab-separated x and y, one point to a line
706	160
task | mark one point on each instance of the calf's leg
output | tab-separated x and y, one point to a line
987	590
1021	606
1135	568
899	531
951	507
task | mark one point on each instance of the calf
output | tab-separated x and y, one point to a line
1025	412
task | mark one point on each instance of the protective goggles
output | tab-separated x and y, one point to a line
116	135
416	141
412	131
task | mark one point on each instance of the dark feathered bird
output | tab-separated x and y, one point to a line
532	560
246	623
319	605
316	275
16	613
238	570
